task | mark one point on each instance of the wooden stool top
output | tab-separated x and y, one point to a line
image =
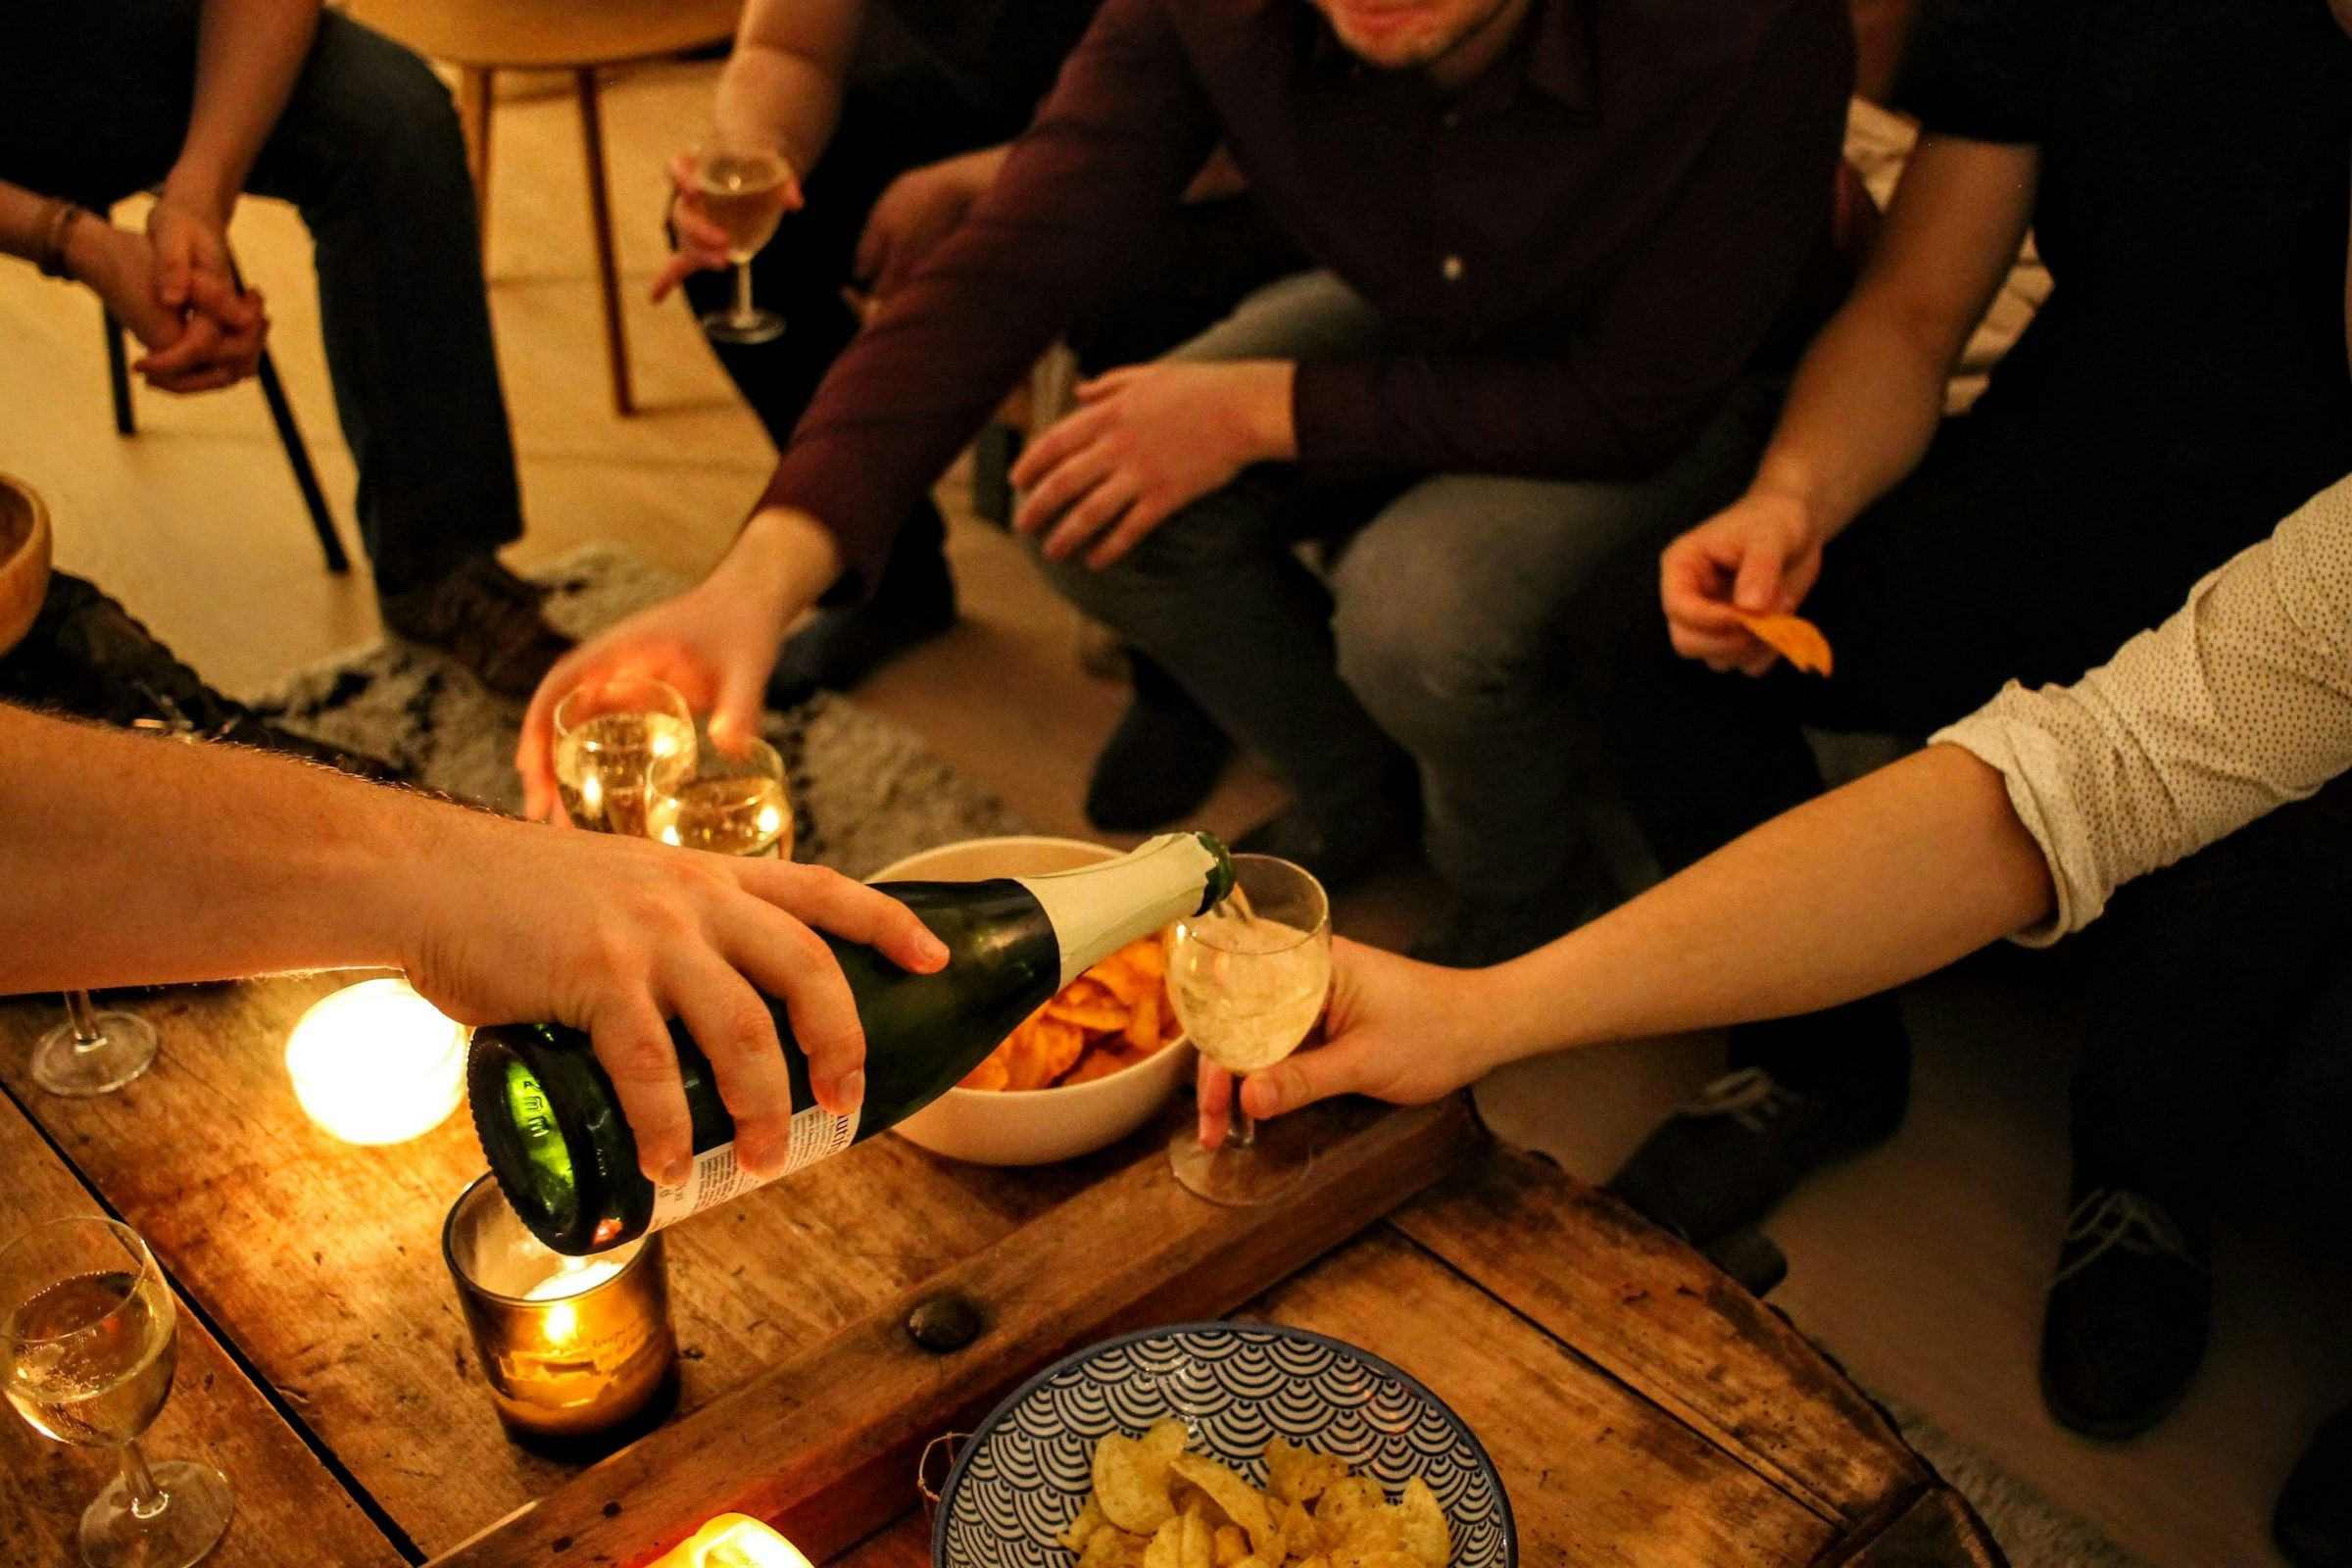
550	35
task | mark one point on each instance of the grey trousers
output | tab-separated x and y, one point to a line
1433	633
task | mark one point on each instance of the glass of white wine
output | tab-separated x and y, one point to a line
735	803
617	742
92	1052
88	1339
740	186
1248	980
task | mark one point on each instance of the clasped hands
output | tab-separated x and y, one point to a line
174	287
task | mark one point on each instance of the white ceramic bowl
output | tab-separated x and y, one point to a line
1032	1126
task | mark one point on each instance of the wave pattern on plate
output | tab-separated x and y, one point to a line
1026	1472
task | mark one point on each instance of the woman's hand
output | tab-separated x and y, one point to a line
701	245
1396	1030
1761	555
504	921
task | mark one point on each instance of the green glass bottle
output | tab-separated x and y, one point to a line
563	1152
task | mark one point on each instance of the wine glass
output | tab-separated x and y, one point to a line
617	740
741	185
88	1339
732	804
92	1052
1248	979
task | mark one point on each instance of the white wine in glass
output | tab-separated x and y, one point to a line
89	1337
740	187
733	805
619	743
1248	980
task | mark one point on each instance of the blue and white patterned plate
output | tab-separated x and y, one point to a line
1024	1474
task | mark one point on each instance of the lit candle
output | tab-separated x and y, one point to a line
732	1540
376	1063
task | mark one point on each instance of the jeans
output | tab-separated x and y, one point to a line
94	102
1433	637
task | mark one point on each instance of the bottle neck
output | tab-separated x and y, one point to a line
1099	910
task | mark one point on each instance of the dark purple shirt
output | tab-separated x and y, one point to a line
1576	256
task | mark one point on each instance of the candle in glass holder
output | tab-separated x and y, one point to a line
732	1540
376	1063
574	1348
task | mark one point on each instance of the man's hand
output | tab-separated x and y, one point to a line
215	341
715	643
1404	1032
1149	440
701	245
920	209
614	936
1761	555
191	236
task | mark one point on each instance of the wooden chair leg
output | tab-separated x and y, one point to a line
608	270
298	456
474	118
118	378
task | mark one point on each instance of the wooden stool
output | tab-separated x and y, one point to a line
482	37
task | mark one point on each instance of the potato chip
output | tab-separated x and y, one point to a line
1142	1033
1237	1499
990	1074
1374	1557
1794	638
1377	1530
1105	1021
1345	1503
1167	1546
1196	1545
1299	1535
1132	1485
1228	1546
1299	1474
1110	1548
1163	1440
1081	1529
1424	1524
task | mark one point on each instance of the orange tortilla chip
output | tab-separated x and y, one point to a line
1106	1020
990	1074
1794	638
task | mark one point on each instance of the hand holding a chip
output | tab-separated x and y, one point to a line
1727	583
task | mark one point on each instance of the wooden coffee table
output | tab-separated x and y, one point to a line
1642	1408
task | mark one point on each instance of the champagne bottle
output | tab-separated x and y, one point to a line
552	1125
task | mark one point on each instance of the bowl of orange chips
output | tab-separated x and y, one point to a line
1084	1070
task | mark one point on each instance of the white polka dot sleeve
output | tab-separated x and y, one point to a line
2237	704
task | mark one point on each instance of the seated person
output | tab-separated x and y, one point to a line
1553	253
2031	813
206	99
896	115
249	865
2185	172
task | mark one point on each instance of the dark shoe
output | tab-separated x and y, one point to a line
1472	932
913	601
1162	762
2312	1524
1341	843
2127	1316
1724	1161
486	619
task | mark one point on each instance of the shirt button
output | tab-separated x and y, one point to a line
1451	268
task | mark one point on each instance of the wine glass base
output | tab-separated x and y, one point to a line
197	1504
725	326
65	1065
1243	1178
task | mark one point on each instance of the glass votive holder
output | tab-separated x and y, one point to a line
578	1352
735	802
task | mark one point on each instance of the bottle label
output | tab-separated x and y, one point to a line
1098	910
816	1133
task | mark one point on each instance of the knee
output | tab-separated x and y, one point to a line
1169	570
1426	662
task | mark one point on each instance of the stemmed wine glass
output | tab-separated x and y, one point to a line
741	184
732	802
89	1336
616	743
92	1052
1248	980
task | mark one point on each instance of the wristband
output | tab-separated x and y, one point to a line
52	255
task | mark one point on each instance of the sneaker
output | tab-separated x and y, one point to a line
2312	1524
486	619
1341	843
1161	762
1473	932
1725	1160
913	601
2127	1316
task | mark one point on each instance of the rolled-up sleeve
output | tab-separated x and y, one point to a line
2237	704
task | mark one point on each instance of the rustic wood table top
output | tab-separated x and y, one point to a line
1641	1407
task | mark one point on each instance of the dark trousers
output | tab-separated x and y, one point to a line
1208	255
2220	996
94	102
2007	554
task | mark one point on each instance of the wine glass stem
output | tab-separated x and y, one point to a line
743	293
88	1035
1244	1131
147	1500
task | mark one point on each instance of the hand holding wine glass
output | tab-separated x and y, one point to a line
734	192
702	243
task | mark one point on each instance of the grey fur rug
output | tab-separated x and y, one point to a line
865	793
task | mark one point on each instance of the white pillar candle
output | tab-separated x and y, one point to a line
376	1063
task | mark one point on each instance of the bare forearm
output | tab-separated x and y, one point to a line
1886	879
248	54
131	859
782	99
24	221
1861	413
